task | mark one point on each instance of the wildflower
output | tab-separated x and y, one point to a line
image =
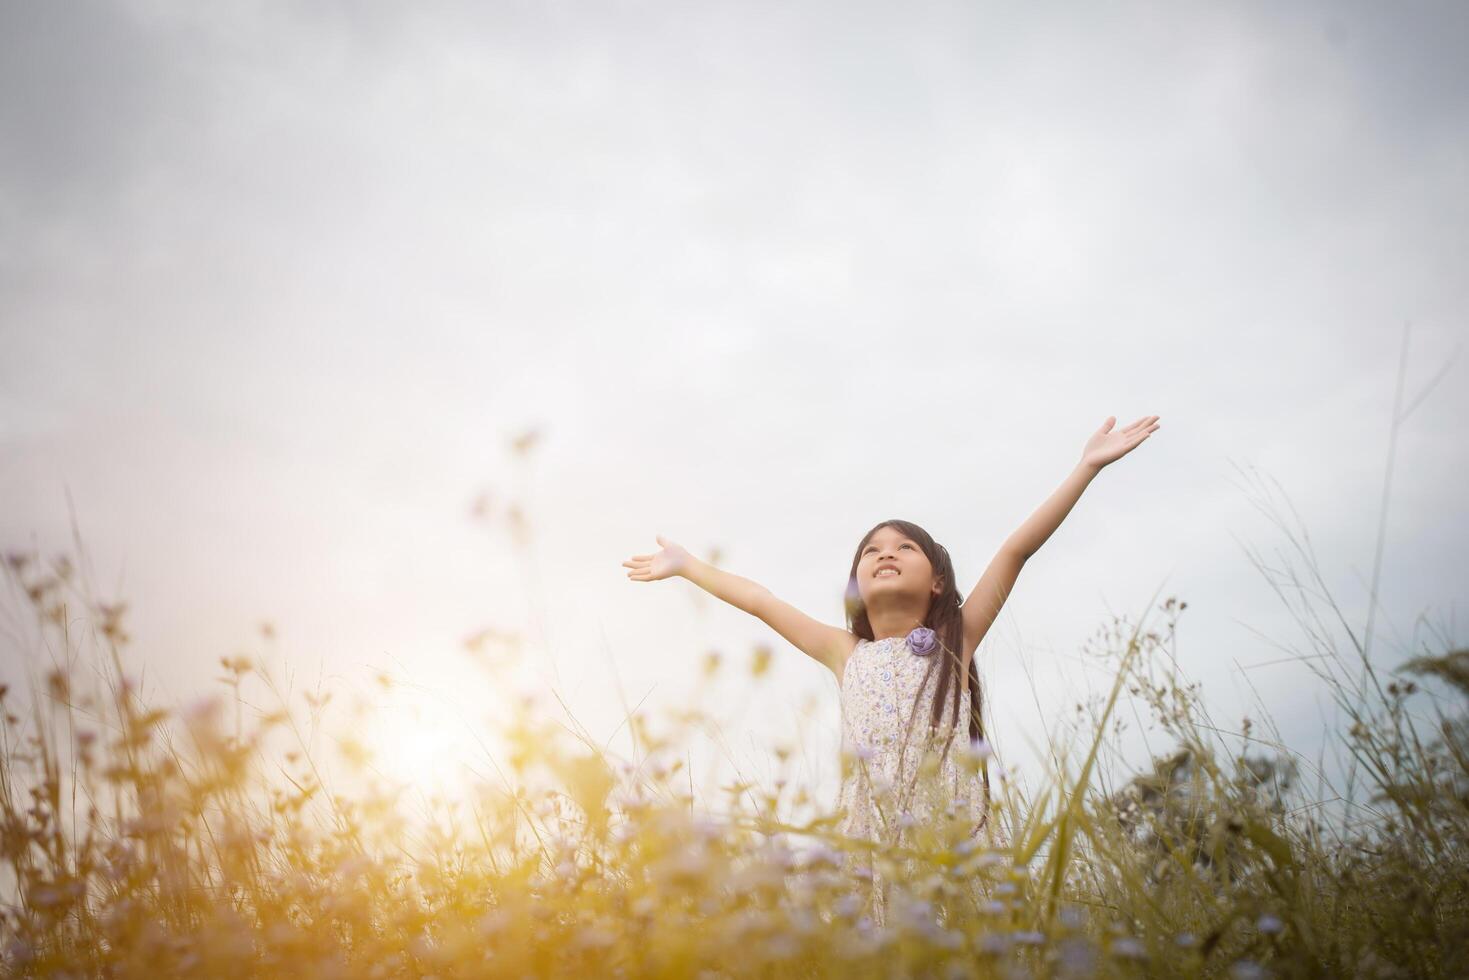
709	828
58	685
760	663
1269	924
972	755
352	867
781	947
989	860
781	856
1072	917
1184	939
980	748
947	938
1077	957
803	921
686	867
1031	937
238	664
202	711
594	937
1247	970
1128	948
20	952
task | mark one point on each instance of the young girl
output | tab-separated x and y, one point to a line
908	642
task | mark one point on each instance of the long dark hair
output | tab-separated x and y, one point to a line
945	618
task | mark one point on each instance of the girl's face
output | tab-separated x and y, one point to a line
892	564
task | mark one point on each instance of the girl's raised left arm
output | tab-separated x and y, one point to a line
1104	446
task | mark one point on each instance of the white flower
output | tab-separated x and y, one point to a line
492	922
979	748
1128	948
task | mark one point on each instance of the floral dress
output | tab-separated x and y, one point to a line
886	733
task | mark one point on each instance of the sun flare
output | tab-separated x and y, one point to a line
414	746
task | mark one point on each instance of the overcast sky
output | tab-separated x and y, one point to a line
278	285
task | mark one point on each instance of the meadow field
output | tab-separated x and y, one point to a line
208	841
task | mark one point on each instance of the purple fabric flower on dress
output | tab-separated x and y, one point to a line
922	641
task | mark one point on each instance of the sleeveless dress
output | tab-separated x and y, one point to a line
886	732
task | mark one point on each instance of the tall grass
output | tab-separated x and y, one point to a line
141	841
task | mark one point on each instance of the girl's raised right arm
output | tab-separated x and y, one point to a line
827	645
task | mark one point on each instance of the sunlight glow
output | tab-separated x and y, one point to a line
420	748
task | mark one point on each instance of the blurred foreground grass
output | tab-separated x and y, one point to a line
143	841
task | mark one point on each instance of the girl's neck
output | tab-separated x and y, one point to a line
888	623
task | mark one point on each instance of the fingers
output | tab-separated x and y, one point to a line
1141	436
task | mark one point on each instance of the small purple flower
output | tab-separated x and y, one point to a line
922	641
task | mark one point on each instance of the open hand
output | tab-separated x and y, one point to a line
671	561
1106	446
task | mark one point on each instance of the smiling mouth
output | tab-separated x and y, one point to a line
886	574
